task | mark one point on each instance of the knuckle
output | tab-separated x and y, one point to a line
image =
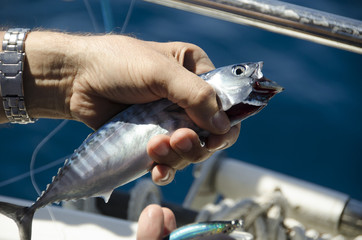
184	45
199	157
204	94
157	83
184	53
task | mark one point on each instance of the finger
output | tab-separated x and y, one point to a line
198	99
186	143
219	142
151	223
191	56
173	81
169	221
177	151
162	174
159	149
203	109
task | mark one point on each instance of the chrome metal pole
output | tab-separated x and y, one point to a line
317	207
284	18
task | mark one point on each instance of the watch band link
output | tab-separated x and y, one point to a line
11	75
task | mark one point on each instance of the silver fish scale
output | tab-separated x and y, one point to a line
104	160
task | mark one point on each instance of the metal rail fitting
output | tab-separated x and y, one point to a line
280	17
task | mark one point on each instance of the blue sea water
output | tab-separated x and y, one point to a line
312	131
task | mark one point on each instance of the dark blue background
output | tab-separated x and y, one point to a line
312	131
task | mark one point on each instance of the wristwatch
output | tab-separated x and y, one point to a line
11	75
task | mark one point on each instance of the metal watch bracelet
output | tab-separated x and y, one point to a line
11	75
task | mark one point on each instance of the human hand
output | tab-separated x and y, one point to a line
92	78
155	223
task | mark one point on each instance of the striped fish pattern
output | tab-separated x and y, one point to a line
116	153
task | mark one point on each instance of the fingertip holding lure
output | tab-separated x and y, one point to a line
204	229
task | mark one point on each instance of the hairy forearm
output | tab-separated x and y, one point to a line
51	66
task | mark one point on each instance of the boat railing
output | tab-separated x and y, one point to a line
280	17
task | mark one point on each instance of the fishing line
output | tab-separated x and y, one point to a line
36	171
107	15
129	13
36	150
32	163
91	15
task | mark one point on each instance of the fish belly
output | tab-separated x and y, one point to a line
114	155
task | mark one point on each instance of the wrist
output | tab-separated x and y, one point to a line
49	71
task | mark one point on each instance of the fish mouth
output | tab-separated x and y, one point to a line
263	90
265	85
241	111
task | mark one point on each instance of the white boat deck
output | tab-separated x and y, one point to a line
68	224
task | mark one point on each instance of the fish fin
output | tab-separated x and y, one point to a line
106	196
23	216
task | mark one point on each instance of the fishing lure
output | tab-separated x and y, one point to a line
204	229
117	152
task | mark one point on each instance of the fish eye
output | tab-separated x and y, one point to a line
238	70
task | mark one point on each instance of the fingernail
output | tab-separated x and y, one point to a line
162	149
166	178
221	121
222	146
185	145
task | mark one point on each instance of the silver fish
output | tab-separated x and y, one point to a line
116	153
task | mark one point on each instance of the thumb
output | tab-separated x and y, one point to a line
151	223
198	99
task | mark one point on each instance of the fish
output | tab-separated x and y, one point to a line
204	229
116	153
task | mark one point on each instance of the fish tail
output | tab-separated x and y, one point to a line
23	216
